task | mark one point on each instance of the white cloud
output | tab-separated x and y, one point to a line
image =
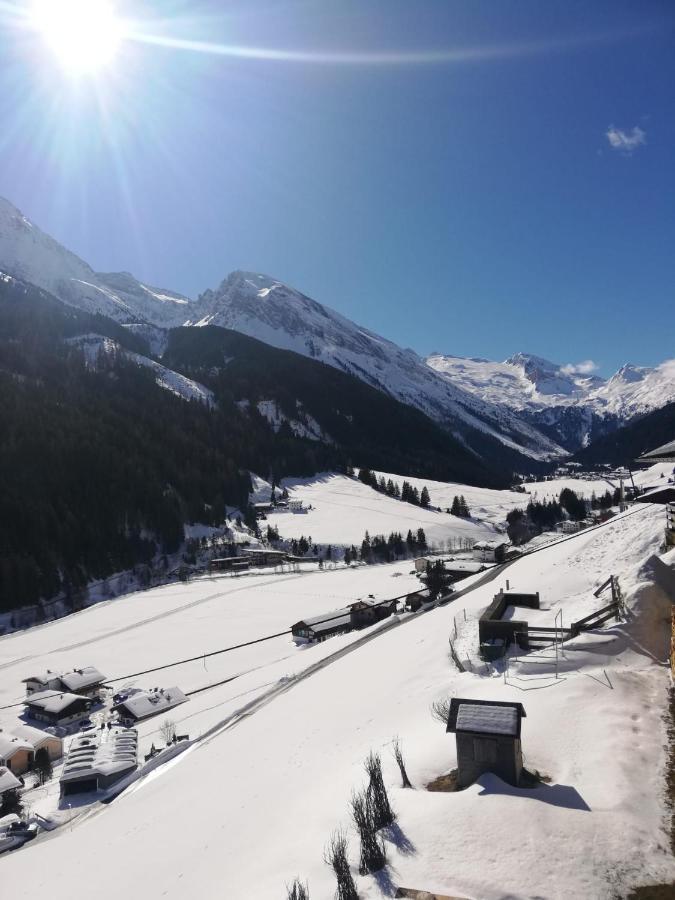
587	367
625	141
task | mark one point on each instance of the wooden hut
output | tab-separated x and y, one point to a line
488	739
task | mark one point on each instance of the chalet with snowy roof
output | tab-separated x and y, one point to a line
38	739
16	754
43	681
57	708
8	781
86	681
490	551
143	704
369	611
487	733
96	762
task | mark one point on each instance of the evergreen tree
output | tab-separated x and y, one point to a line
425	499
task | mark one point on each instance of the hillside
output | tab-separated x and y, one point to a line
367	423
92	429
624	446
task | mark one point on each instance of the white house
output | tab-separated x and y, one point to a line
143	704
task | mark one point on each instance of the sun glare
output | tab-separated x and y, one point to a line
84	35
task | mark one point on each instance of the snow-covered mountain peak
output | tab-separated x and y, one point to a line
28	253
629	374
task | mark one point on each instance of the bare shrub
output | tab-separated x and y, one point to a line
297	891
373	856
398	756
382	812
440	709
168	731
335	855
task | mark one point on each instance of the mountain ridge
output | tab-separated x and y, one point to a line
532	407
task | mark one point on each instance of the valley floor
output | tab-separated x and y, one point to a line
252	805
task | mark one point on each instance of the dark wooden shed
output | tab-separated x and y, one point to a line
488	739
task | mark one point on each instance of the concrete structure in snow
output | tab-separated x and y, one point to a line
488	739
93	766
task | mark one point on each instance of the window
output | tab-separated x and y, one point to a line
484	750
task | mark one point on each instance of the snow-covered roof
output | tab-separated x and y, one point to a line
463	565
35	736
489	719
88	758
485	716
8	781
42	677
79	679
665	450
53	701
328	621
9	744
148	703
489	545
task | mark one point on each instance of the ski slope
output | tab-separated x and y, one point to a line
263	793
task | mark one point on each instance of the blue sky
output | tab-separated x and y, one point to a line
517	195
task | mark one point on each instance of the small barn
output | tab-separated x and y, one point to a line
319	628
367	612
57	708
230	564
416	600
487	733
265	557
143	704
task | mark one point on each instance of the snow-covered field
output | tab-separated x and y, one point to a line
546	490
261	795
343	509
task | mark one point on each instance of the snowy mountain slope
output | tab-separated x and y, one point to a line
573	408
28	253
343	508
279	775
97	348
272	312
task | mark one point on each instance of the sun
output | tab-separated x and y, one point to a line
84	35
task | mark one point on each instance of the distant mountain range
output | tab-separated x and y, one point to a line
574	408
511	415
